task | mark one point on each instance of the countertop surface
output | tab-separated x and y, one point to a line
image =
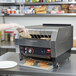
68	68
7	45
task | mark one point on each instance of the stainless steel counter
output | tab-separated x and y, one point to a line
67	69
7	45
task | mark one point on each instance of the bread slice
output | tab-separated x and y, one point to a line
30	62
42	63
45	66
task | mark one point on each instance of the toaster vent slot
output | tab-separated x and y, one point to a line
41	36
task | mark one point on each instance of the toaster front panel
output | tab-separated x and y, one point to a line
27	50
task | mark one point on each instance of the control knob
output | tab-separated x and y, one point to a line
30	51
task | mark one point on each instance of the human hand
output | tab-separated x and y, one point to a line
21	29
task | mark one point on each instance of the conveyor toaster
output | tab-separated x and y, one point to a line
51	42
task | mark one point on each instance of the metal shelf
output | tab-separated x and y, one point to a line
44	15
39	3
73	49
9	4
49	3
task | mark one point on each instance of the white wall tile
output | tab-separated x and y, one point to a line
1	20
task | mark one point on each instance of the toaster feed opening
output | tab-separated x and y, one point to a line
40	34
43	37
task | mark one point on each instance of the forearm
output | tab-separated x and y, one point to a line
9	26
19	28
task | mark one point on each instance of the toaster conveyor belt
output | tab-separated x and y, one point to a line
67	69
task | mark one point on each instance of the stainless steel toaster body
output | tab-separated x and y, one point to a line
58	38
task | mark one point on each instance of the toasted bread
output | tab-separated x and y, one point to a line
42	63
30	62
45	66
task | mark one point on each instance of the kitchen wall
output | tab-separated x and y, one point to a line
28	21
1	20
